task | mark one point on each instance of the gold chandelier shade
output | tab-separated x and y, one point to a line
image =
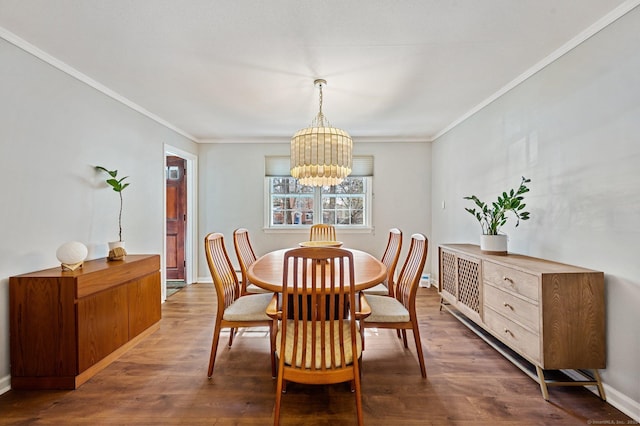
321	155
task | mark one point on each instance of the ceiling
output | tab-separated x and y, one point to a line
243	70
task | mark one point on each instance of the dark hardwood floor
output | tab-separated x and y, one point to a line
163	380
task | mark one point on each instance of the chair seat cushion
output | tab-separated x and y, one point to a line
386	309
288	355
248	308
252	288
379	289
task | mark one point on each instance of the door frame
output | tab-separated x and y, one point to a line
176	217
191	229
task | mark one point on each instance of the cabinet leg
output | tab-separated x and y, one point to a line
596	374
442	302
543	383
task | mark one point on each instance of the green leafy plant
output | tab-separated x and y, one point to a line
493	217
117	185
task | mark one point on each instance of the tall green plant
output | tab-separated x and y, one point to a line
117	185
493	217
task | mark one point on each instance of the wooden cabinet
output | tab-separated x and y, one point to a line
65	326
550	314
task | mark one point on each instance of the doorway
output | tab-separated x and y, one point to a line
180	240
176	219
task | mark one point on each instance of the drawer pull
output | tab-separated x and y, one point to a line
509	332
507	279
506	305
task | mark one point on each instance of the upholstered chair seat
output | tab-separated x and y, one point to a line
379	289
386	309
248	308
329	345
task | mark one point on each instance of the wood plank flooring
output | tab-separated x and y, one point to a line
163	380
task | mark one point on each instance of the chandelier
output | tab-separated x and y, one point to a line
321	155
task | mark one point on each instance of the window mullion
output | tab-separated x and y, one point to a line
317	201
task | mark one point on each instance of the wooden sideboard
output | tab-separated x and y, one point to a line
65	326
550	314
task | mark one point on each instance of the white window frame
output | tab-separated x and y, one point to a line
366	227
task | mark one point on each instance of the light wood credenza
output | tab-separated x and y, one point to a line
65	326
550	314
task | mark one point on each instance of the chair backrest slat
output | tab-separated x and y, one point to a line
245	254
411	272
391	256
322	232
224	277
318	300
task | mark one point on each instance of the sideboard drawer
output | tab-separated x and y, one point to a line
519	338
512	307
511	279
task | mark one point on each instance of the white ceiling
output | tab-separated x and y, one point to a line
243	70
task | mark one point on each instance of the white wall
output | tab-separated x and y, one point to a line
53	130
574	129
232	195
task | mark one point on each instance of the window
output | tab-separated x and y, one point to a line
291	205
344	204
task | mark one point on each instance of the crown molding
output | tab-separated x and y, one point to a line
596	27
247	140
68	69
287	139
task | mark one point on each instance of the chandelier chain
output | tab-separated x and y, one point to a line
320	107
320	120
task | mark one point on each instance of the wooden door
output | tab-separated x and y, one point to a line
176	217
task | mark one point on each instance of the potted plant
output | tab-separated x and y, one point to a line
492	217
118	185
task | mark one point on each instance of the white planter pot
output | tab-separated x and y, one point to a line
493	244
116	250
114	244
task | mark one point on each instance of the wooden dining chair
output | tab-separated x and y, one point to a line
234	310
399	312
322	232
390	260
318	340
246	257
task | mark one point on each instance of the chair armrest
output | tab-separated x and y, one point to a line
364	308
272	308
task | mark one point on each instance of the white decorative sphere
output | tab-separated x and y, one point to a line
72	252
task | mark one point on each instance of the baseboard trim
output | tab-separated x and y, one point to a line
5	384
619	400
623	403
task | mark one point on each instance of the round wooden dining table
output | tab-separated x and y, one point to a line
266	272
